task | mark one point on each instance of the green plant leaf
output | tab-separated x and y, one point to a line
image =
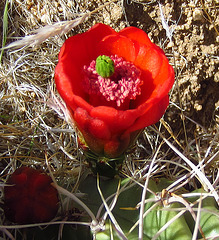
209	218
158	217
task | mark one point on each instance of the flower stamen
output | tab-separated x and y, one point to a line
123	85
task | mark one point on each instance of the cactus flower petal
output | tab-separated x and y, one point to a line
109	110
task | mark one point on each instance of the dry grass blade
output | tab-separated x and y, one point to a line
202	178
43	224
141	214
48	31
112	204
169	30
8	233
5	28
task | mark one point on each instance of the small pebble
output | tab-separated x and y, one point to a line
197	15
170	45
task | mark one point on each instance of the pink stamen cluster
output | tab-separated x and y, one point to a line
123	84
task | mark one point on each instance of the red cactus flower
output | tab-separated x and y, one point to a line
30	198
114	84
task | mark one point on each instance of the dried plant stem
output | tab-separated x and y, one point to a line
52	30
7	233
2	227
5	29
209	18
201	176
118	228
112	204
141	214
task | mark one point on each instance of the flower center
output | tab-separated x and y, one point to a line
121	84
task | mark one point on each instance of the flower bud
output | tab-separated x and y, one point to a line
30	197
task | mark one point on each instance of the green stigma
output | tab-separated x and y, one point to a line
104	66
